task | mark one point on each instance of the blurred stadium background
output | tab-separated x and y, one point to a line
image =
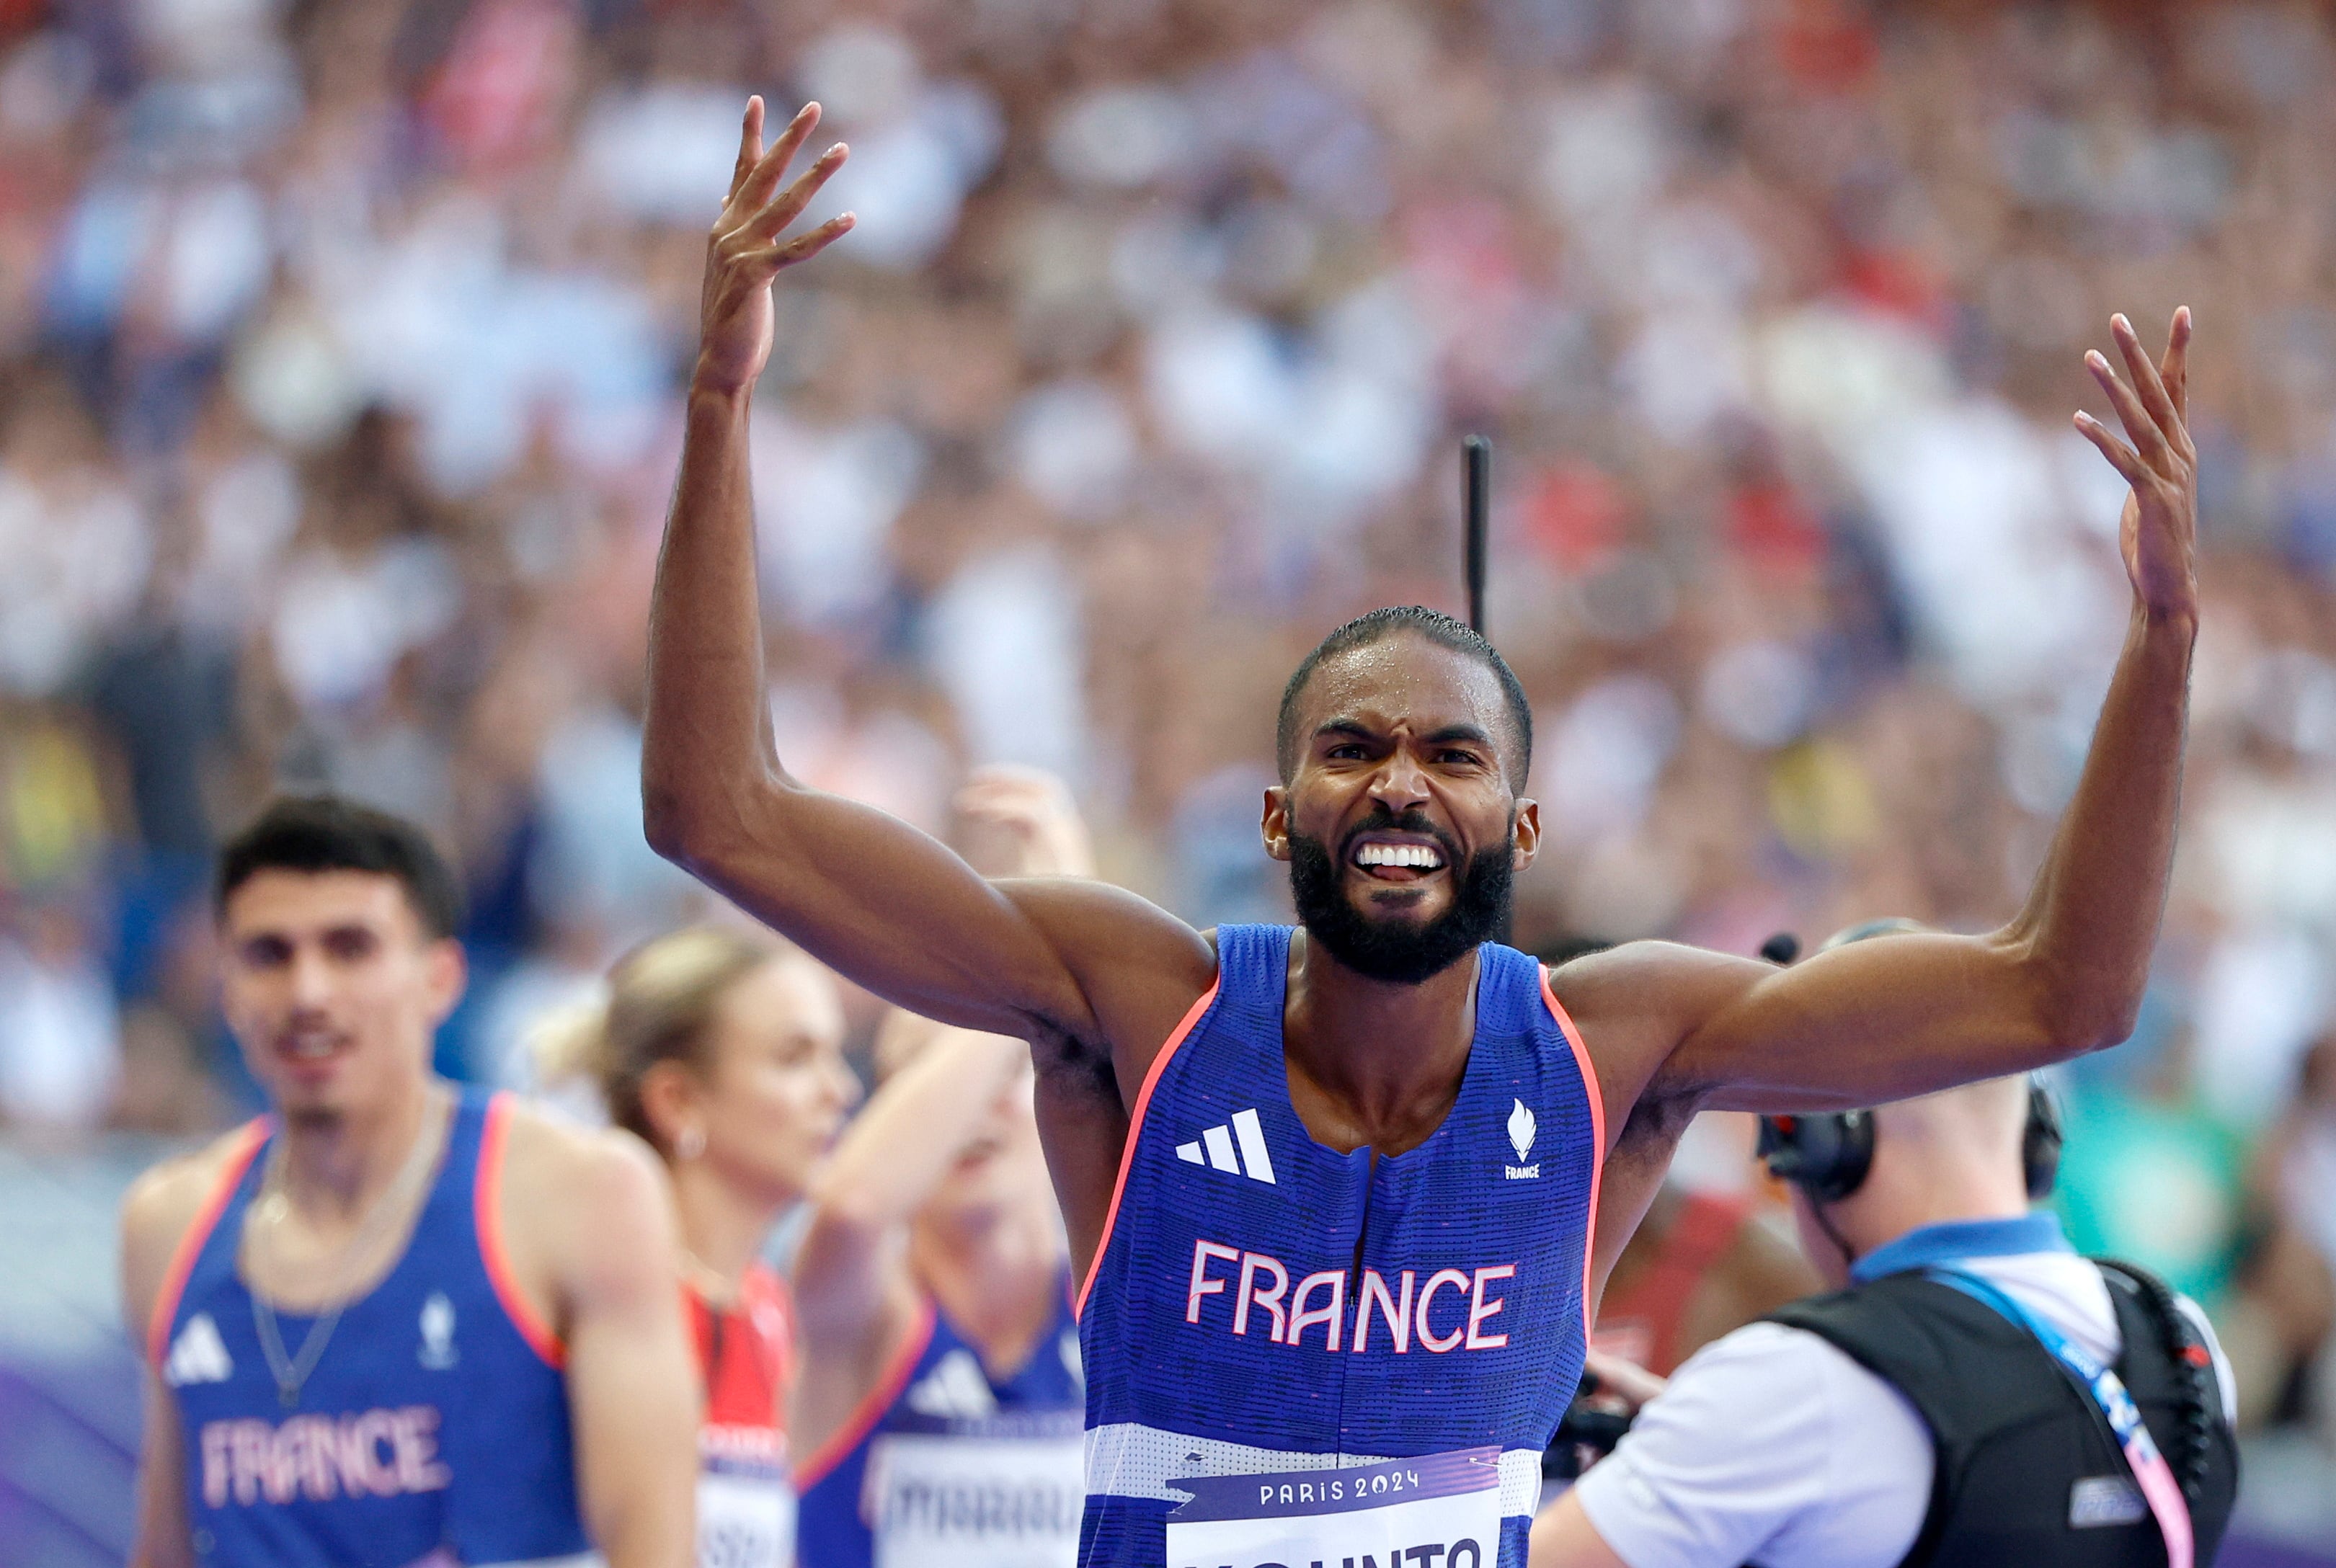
339	346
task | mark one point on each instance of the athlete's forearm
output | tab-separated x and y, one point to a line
2091	921
707	751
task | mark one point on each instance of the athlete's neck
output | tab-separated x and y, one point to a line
335	1164
1370	1061
723	1226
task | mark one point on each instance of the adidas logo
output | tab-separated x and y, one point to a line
198	1355
1252	1162
955	1387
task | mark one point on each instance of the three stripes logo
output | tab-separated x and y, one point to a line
1215	1148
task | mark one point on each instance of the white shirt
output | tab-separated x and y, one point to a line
1770	1445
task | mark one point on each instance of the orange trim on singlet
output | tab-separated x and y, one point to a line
872	1406
1598	1139
486	1194
1135	1131
241	1152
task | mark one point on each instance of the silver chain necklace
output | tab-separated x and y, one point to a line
292	1372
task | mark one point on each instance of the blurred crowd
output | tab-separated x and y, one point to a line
340	344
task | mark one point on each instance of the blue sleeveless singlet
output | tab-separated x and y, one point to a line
436	1421
1297	1355
944	1467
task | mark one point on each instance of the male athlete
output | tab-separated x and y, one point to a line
1342	1198
391	1324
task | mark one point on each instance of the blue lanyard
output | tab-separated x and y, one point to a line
2150	1471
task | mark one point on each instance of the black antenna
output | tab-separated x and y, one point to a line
1476	468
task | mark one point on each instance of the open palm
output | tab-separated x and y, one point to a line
2160	530
745	252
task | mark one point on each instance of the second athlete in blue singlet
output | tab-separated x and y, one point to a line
435	1429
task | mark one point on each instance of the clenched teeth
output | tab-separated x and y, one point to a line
1418	856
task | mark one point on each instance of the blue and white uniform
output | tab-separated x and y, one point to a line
433	1429
946	1467
1379	1348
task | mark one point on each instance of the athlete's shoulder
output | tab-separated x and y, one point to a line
1098	927
1635	1002
579	1201
168	1197
548	1158
1139	968
1632	977
167	1200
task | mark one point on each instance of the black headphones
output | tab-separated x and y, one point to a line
1828	1156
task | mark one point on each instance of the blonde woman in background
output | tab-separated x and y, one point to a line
724	1049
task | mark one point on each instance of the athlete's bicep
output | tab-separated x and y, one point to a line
898	911
1868	1022
164	1538
1861	1024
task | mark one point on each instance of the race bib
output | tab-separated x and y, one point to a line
1443	1510
744	1522
937	1501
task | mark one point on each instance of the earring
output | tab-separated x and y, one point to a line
690	1144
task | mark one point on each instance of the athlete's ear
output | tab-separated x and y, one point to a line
1275	825
1525	835
447	974
671	1098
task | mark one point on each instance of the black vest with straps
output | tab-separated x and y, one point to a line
2026	1474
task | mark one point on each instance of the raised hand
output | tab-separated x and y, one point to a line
1032	812
2159	531
745	251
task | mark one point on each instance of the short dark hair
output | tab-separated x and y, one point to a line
317	833
1444	631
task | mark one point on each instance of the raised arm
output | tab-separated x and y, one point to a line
893	1158
1877	1021
865	893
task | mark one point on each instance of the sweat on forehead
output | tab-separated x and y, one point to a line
1396	635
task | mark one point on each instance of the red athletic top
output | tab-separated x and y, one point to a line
746	1498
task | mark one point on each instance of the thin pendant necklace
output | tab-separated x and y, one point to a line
292	1371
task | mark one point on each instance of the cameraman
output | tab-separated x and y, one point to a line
1922	1414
